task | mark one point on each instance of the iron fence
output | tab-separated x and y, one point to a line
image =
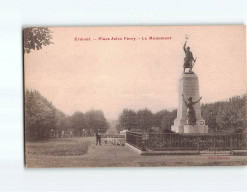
134	139
200	142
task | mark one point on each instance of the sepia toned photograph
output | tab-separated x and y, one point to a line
135	96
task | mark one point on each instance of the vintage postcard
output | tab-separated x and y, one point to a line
135	96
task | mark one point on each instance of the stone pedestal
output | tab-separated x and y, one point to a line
189	87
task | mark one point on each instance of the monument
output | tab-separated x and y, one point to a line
189	119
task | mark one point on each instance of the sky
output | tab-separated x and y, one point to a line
115	74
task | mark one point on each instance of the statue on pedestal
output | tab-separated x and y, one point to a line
190	110
189	118
189	60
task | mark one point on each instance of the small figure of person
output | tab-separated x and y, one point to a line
189	59
190	110
98	137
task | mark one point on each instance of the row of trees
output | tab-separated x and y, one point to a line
42	119
144	119
220	116
227	115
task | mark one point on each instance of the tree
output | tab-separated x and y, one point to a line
42	118
226	115
164	119
209	113
232	114
128	119
168	120
35	38
144	119
39	115
60	122
78	122
158	116
95	119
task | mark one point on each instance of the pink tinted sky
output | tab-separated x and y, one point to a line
113	75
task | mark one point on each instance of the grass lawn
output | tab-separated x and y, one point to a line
57	147
82	152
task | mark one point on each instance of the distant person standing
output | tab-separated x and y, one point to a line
98	137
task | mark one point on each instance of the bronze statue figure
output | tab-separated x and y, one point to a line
190	110
189	59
